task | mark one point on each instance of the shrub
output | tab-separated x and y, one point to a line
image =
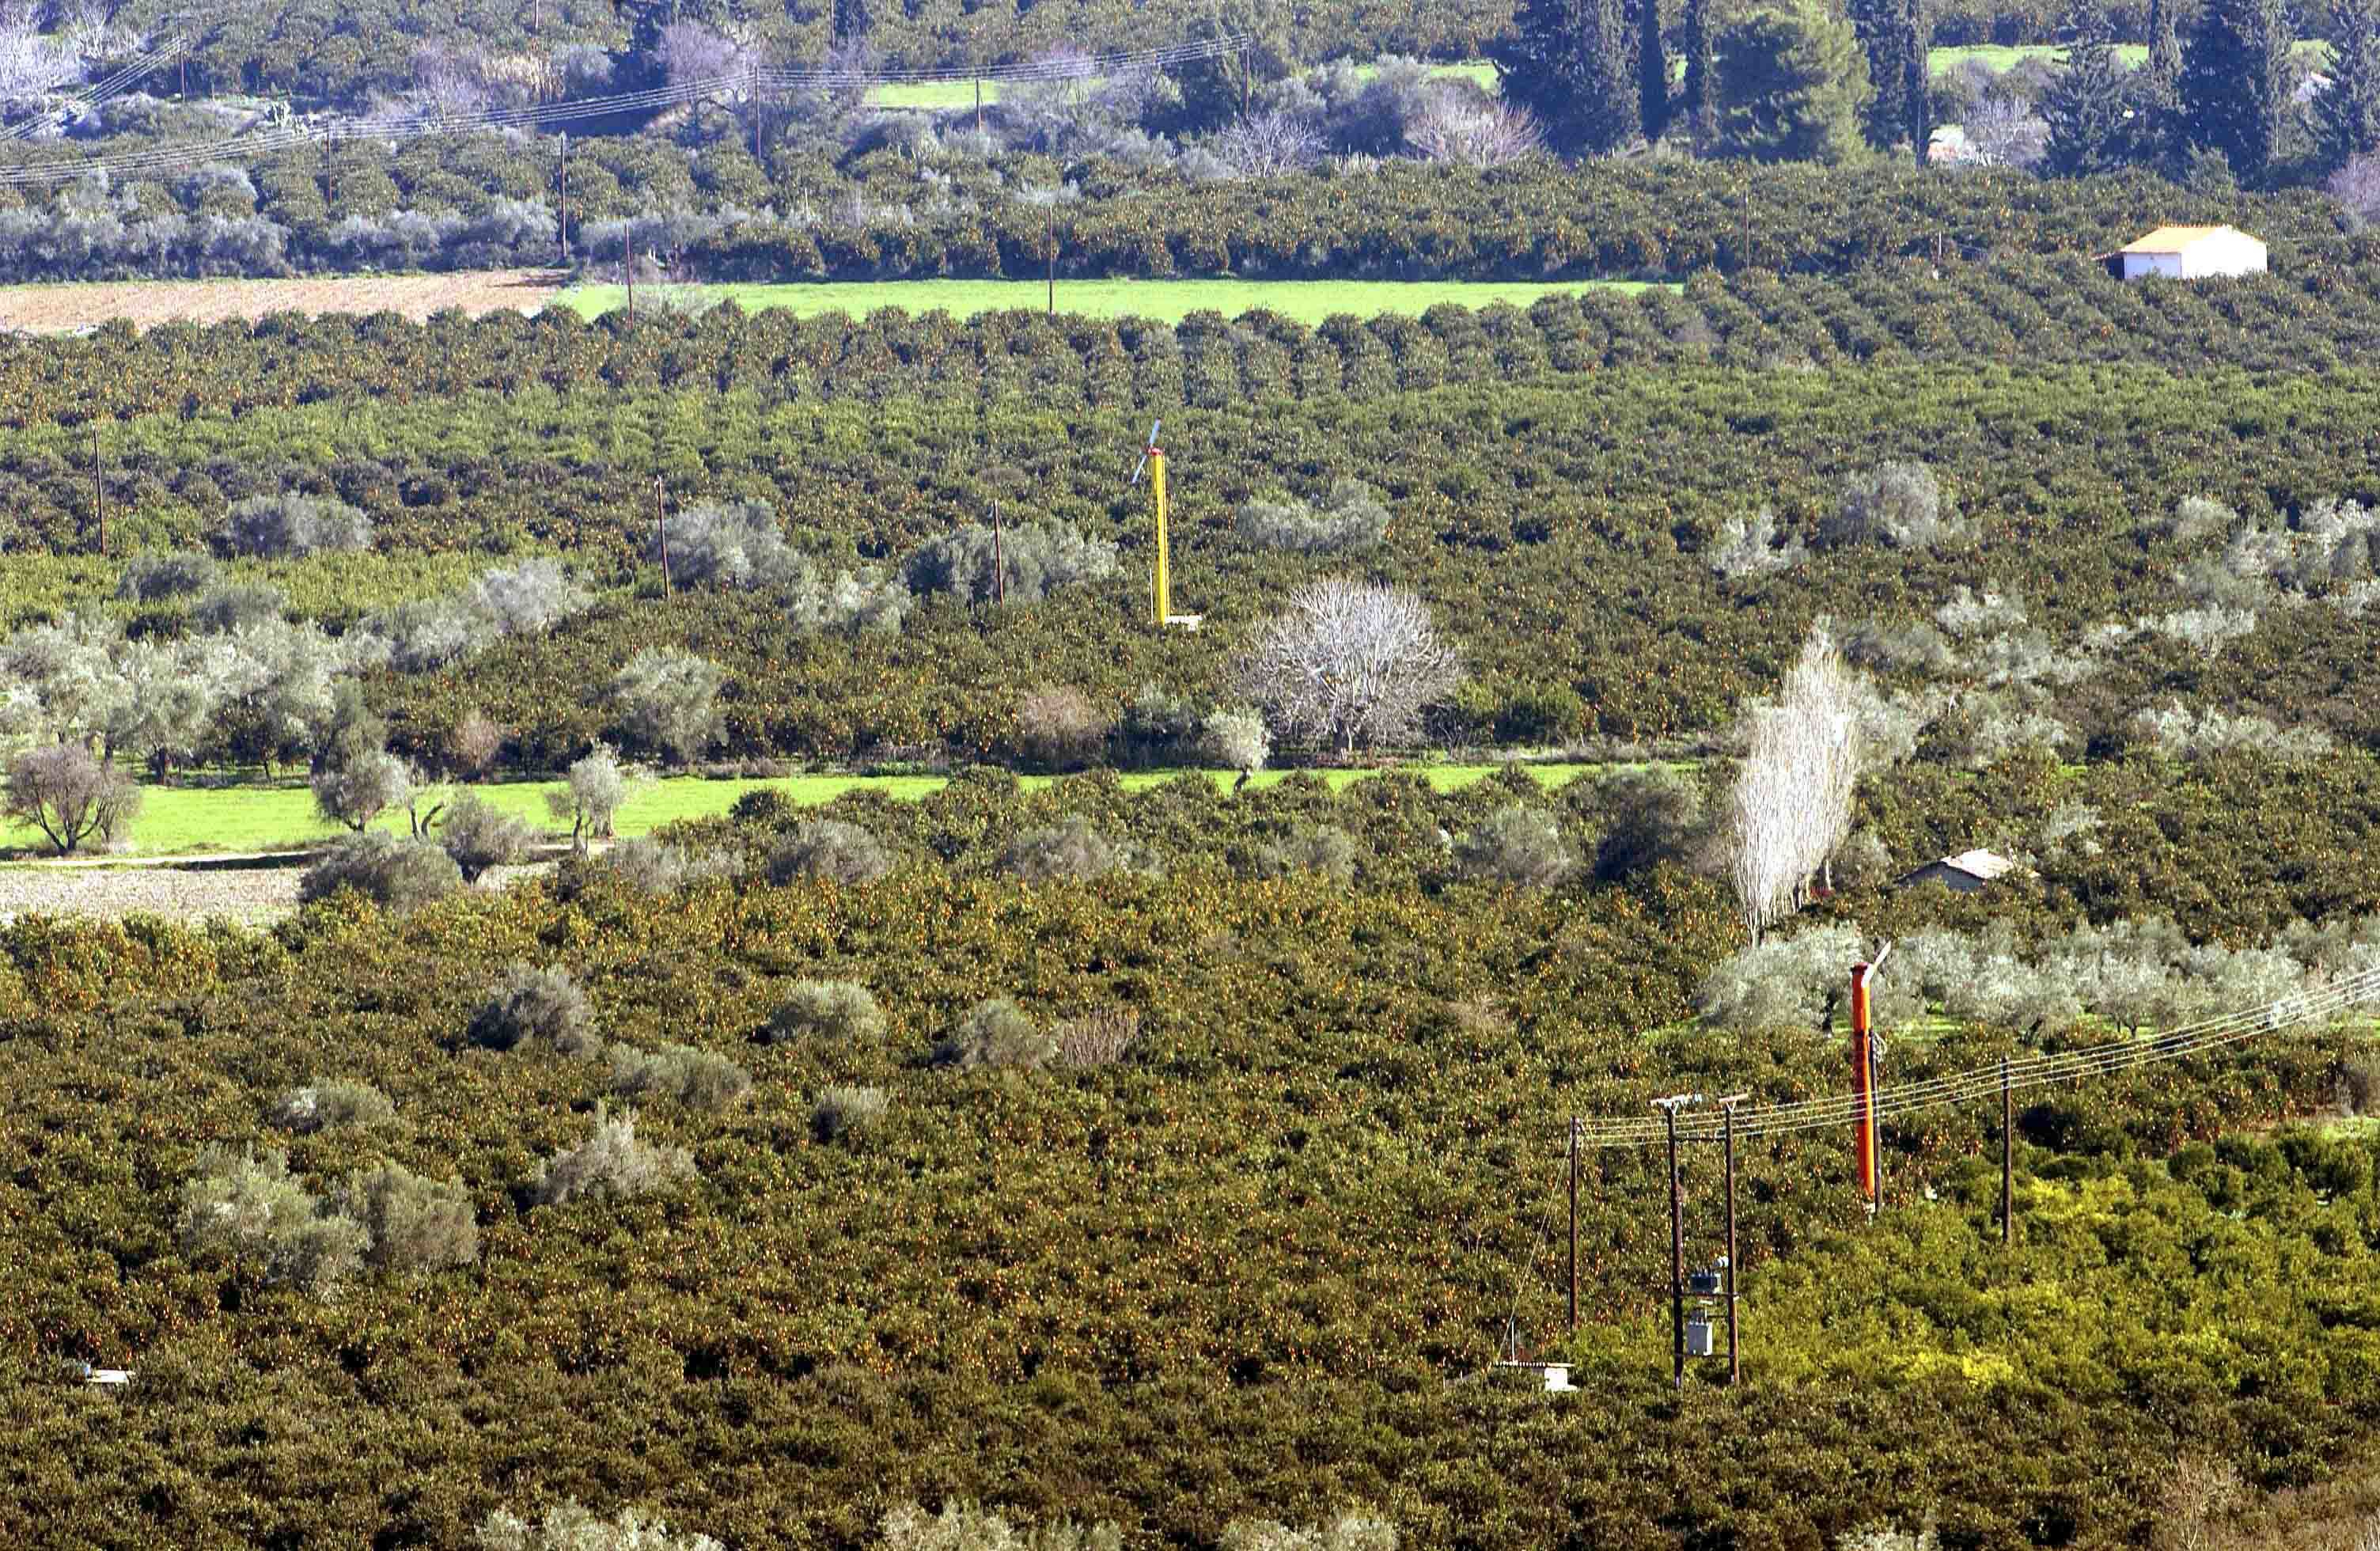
1898	504
1649	817
573	1528
1515	844
321	1105
1157	728
1316	848
842	1010
847	1114
865	602
669	700
763	806
613	1164
1036	559
238	606
289	526
394	873
1352	519
1071	849
531	1003
728	546
697	1078
962	1526
1786	982
1236	739
1749	547
478	835
828	848
474	744
1058	728
525	599
1099	1039
1355	1530
996	1032
60	790
2195	519
428	633
416	1224
151	579
244	1207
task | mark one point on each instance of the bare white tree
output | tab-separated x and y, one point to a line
31	62
1476	134
1269	143
2356	186
1350	662
1792	805
2004	132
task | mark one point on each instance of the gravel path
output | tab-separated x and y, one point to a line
257	896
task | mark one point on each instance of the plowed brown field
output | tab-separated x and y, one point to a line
59	309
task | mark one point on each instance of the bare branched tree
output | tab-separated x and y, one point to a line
1476	134
1792	805
1269	143
2356	186
1349	664
2004	132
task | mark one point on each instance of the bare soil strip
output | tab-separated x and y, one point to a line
65	309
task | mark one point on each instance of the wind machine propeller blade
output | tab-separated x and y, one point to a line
1143	464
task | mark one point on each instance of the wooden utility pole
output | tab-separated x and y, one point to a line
632	277
1677	1252
1050	242
660	538
755	110
978	103
2007	1158
998	563
1726	1140
562	192
1573	1225
98	487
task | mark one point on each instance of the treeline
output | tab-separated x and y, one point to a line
717	214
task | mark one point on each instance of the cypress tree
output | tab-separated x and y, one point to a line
1566	61
1652	70
2084	104
1700	106
1916	83
1877	25
2346	115
2235	84
2164	49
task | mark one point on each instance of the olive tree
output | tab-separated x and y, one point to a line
60	790
669	699
1350	662
591	796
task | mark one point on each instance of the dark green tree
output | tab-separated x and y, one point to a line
2235	84
1699	106
2086	104
1652	70
1917	80
1877	25
1566	61
2346	115
2165	46
1791	84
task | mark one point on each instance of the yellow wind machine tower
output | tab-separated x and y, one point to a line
1152	463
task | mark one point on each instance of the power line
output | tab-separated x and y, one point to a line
2029	1072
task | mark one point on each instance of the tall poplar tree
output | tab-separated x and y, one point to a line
1566	61
2235	84
2347	113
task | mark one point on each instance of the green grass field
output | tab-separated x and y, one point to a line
946	95
177	820
1308	301
1942	61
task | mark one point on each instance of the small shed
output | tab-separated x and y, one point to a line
1965	873
2188	253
